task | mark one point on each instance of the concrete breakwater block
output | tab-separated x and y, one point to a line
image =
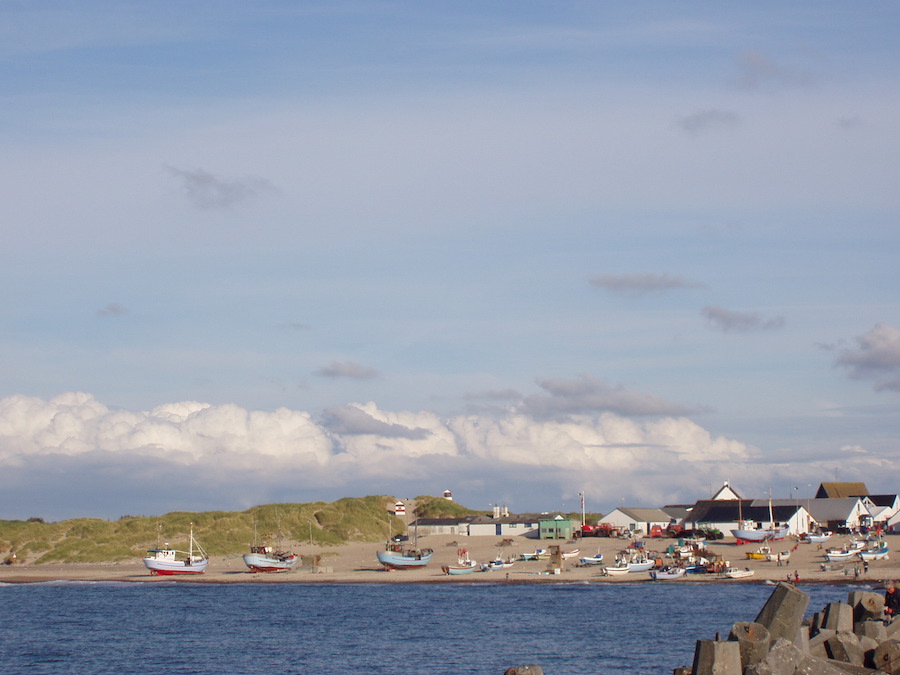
887	657
838	617
713	657
753	641
783	612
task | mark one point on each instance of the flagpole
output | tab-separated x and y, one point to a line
581	494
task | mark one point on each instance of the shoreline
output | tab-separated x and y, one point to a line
355	563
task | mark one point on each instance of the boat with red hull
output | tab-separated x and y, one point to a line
166	560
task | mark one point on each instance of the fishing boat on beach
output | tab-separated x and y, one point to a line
498	564
738	573
818	537
762	553
537	554
589	561
780	556
877	552
166	560
396	556
749	532
844	554
267	559
667	573
463	564
399	556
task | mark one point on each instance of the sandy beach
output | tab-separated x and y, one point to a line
356	563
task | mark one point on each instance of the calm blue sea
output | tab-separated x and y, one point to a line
311	629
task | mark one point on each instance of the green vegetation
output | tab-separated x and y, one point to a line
438	507
90	540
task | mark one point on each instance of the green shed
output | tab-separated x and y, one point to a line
556	528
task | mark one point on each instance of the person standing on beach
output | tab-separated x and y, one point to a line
891	600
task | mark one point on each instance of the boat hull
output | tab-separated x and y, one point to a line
840	556
614	571
665	575
167	567
457	570
394	560
768	534
264	563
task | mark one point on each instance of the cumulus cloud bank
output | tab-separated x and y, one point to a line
73	456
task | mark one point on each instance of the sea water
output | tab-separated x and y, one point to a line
310	629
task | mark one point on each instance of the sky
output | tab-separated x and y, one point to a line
299	251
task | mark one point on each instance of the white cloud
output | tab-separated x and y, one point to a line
72	456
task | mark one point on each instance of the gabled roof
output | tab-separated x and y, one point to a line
732	510
824	510
646	515
726	492
677	511
880	500
841	490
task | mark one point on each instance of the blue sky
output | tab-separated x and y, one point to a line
292	251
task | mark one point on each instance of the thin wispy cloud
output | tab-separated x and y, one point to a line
642	284
757	70
208	191
113	309
708	120
876	357
589	395
350	369
729	321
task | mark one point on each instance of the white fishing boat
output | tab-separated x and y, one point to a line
840	554
589	561
780	556
738	573
537	554
166	560
463	564
748	530
497	564
878	552
818	538
667	573
745	533
568	555
617	569
641	565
